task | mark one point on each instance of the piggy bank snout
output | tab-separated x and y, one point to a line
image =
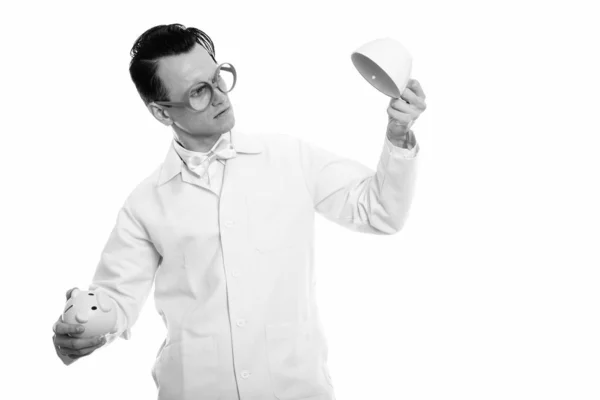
97	311
82	317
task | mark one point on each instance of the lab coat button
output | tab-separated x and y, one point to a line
235	273
245	374
241	322
228	224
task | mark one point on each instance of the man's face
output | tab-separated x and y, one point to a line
179	73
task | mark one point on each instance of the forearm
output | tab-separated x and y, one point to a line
353	195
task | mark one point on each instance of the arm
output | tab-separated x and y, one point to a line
125	273
356	197
126	270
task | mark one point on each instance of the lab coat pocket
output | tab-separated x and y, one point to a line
157	362
296	358
167	371
271	221
201	367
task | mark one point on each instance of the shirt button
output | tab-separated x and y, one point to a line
245	374
241	322
228	224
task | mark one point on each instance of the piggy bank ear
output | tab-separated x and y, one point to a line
75	292
104	301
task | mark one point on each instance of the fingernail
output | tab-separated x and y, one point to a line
80	329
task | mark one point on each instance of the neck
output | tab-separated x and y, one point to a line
191	142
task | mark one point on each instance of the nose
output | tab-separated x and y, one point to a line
218	97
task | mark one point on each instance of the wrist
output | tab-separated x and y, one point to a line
400	140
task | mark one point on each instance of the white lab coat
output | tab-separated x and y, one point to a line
234	270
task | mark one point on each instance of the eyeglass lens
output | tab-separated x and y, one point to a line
200	96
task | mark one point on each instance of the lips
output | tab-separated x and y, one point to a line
222	112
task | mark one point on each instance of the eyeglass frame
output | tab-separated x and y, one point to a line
211	86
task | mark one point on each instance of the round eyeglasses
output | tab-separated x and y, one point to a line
199	96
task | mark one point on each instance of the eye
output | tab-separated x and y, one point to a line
93	308
199	91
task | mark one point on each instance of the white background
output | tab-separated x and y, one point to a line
491	290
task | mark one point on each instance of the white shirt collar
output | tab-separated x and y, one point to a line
194	158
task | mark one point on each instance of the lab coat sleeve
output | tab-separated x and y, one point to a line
356	197
126	270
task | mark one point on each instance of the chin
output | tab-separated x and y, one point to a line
228	124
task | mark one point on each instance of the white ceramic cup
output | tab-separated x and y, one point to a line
386	64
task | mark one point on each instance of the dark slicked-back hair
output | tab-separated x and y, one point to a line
158	42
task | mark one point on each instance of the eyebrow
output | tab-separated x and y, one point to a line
196	83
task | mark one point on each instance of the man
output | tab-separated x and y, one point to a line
224	228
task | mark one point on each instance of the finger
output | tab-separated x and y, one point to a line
416	87
76	356
78	343
65	351
413	99
400	105
404	116
62	328
402	119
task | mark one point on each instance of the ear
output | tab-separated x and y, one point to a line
105	302
75	293
160	114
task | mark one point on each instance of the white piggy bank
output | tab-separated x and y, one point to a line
95	310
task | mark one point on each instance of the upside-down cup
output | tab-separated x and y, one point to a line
386	64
